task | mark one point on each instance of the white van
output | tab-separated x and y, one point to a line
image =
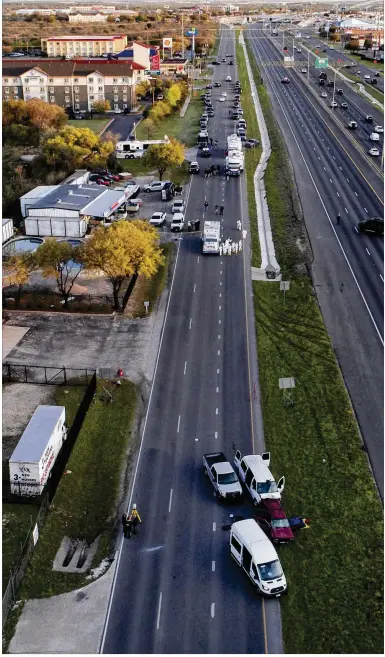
374	136
254	472
253	551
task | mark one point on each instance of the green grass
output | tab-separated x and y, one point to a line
151	289
18	520
85	502
334	569
96	125
252	155
334	602
363	62
185	128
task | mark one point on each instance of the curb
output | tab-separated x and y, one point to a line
106	126
185	105
264	225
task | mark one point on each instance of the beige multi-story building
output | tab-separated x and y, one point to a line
83	46
73	84
89	17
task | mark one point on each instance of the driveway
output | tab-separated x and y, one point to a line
123	124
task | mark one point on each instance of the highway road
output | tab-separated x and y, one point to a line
177	590
358	106
329	183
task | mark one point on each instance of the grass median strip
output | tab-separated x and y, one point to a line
84	506
334	602
252	155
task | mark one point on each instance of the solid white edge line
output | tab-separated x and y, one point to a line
185	367
212	609
178	424
213	566
169	504
139	453
326	212
159	608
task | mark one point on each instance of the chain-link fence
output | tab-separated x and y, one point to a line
16	373
47	300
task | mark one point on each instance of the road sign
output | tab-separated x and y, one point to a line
192	32
321	62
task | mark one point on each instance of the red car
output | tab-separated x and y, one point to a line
272	519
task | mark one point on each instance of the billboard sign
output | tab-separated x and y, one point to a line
167	43
155	62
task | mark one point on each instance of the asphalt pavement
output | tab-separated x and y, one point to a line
177	589
348	267
123	125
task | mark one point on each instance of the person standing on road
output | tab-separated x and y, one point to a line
197	224
236	247
135	518
221	210
211	141
124	524
240	246
239	225
217	209
206	205
244	234
189	226
338	218
220	249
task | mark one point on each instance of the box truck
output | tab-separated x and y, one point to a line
37	450
211	236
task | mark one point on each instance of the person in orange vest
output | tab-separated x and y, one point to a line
135	518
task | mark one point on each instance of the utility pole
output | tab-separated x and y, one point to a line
182	39
308	66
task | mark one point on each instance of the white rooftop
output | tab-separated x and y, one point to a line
33	442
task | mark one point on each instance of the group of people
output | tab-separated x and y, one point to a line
219	210
196	224
229	247
213	170
130	522
215	141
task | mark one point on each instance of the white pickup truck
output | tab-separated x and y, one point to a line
222	476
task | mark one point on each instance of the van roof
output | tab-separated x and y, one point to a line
258	467
255	540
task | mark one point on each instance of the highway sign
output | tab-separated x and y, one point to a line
321	62
192	32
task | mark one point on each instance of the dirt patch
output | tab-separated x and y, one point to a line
19	404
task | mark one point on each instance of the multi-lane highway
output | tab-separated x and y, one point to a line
330	180
177	590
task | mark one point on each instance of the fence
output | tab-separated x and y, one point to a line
40	374
48	300
48	494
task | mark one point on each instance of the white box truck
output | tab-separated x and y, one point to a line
211	236
253	551
235	159
37	450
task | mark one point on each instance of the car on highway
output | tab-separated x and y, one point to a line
369	118
223	59
333	104
374	151
366	77
216	63
285	80
352	125
299	50
209	86
378	74
374	136
205	152
324	94
194	167
228	78
378	128
155	186
177	223
210	111
231	62
373	81
340	91
158	218
344	105
222	99
304	70
374	225
272	519
178	206
217	84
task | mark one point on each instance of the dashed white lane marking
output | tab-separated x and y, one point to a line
213	566
159	608
214	526
169	504
381	278
185	367
331	180
212	609
216	435
220	294
217	371
367	251
190	323
348	180
219	337
195	286
219	321
220	307
217	389
216	411
337	194
347	211
198	259
365	210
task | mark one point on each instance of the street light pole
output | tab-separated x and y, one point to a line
334	86
308	66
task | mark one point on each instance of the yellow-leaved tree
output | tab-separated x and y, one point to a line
165	156
62	261
76	147
123	251
18	268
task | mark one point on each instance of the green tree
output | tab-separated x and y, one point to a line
101	106
110	19
123	251
165	156
142	88
18	268
367	44
62	261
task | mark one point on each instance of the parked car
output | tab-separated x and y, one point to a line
217	84
272	519
374	225
194	167
324	94
158	218
344	105
154	186
333	104
285	80
209	86
251	143
178	206
374	151
177	222
228	78
378	128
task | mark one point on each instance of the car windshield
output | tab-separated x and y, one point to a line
267	487
280	523
270	570
228	478
211	240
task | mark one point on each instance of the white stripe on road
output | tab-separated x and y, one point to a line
216	411
212	609
185	367
159	608
213	566
367	251
217	386
219	352
169	504
195	286
178	425
216	435
190	323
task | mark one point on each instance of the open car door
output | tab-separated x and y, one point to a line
266	458
281	484
238	458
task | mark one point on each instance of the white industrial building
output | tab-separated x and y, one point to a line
66	210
